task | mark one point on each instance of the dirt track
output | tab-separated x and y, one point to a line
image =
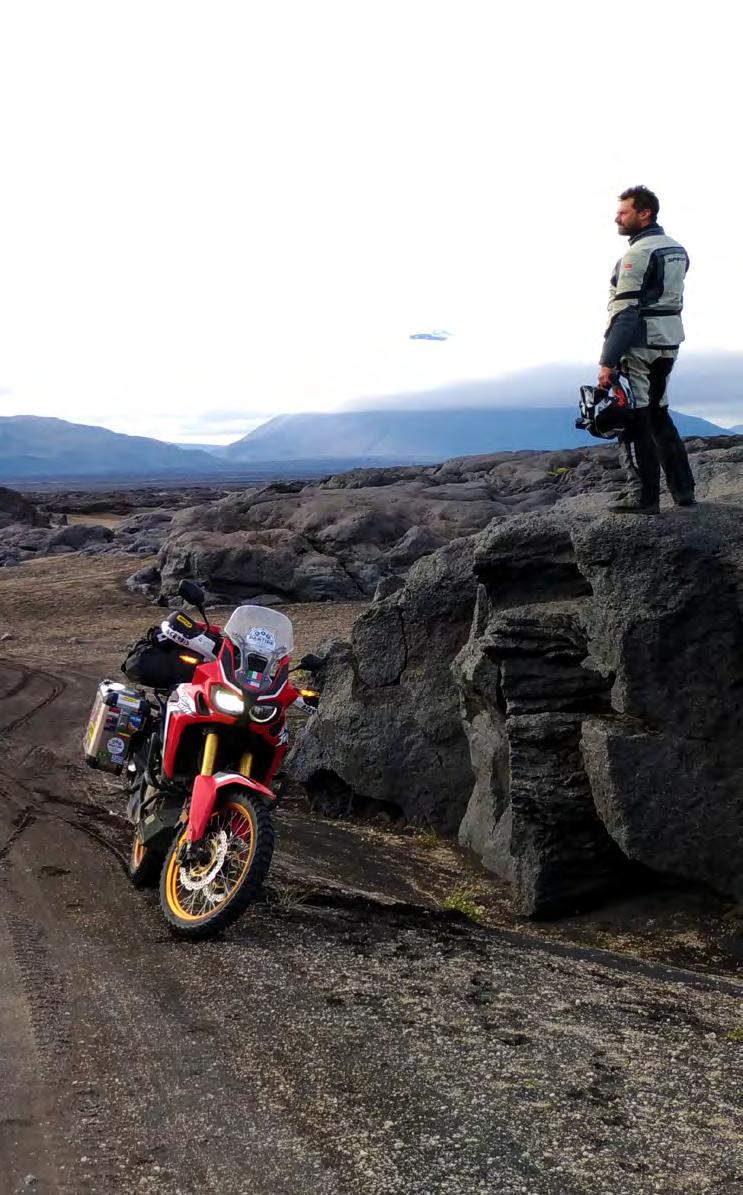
333	1041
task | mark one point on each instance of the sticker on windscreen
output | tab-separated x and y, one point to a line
260	637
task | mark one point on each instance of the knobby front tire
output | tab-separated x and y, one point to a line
199	899
143	865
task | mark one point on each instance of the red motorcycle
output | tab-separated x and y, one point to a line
200	758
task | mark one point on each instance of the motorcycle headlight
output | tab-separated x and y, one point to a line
263	713
225	700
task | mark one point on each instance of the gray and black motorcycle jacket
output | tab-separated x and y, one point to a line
646	296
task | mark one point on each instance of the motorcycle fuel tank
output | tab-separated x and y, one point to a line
117	714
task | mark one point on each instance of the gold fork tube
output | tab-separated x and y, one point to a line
246	765
209	757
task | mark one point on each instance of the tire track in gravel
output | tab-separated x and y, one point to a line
43	985
38	802
14	690
57	688
33	1138
24	819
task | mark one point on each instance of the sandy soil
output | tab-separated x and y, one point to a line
104	519
79	606
348	1036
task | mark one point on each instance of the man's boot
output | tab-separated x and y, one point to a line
633	486
643	474
673	457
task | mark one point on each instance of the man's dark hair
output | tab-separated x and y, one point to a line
642	199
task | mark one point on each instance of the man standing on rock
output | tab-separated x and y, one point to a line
642	342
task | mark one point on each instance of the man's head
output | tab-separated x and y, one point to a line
638	207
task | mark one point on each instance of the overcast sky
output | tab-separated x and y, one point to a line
213	213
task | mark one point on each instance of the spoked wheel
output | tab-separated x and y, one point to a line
201	896
144	864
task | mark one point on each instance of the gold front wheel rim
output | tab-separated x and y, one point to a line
202	903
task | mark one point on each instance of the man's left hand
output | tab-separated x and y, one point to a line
606	377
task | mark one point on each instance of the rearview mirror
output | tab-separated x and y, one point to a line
192	593
311	663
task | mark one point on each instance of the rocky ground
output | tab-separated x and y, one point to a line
356	1033
332	538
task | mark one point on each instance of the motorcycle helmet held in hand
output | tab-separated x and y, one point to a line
606	413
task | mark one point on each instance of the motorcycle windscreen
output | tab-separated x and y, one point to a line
262	637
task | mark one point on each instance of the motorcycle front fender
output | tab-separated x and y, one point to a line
205	794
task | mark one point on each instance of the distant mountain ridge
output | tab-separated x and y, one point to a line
34	446
422	436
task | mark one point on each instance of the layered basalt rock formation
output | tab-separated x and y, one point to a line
598	690
619	709
526	691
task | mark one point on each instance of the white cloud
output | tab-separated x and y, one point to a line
251	207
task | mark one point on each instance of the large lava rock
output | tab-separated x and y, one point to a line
238	565
388	728
601	690
143	534
19	542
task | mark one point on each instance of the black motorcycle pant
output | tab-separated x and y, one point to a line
656	443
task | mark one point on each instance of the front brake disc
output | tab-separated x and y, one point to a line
195	882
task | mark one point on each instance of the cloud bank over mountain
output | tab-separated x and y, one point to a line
705	384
